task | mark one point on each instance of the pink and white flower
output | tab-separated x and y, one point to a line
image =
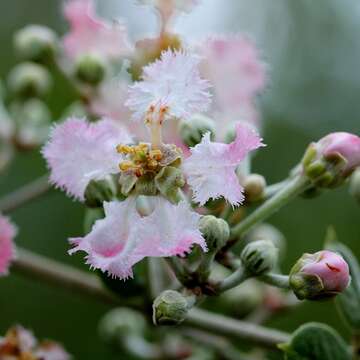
211	167
90	34
172	83
79	151
7	249
123	237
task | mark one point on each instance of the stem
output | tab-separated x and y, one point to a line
235	279
204	267
25	194
271	190
53	273
177	268
281	198
278	280
225	326
155	277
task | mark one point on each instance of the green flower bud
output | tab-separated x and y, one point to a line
168	181
36	43
33	122
90	69
29	79
216	232
119	322
99	191
259	257
169	308
254	186
192	130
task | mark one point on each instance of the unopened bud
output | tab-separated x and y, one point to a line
36	43
99	191
90	69
193	130
254	186
320	275
29	79
216	232
120	322
169	308
355	185
259	257
332	159
168	181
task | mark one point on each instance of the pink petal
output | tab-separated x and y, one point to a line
79	151
90	34
7	248
211	167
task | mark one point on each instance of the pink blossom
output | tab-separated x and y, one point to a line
172	83
90	34
79	151
232	64
211	167
345	144
123	238
7	248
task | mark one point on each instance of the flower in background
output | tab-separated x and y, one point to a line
78	152
171	85
90	34
211	167
7	248
123	238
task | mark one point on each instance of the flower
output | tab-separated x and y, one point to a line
79	151
7	248
211	167
90	34
172	85
320	275
232	64
344	144
123	238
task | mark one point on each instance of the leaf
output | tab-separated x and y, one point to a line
348	302
314	341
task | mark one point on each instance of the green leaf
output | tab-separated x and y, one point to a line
314	341
348	302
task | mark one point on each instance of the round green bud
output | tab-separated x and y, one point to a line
216	232
99	191
259	257
254	186
90	69
119	322
169	308
192	130
36	43
29	80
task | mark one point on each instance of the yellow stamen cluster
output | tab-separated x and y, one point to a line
141	158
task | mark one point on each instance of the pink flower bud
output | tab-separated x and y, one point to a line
320	275
341	143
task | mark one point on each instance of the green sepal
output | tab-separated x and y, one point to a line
146	185
127	182
168	181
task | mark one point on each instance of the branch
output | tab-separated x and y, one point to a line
25	194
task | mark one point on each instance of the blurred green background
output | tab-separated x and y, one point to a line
313	50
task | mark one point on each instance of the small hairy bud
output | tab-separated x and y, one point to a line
320	275
169	308
215	231
254	186
332	159
193	130
259	257
99	191
119	322
29	80
36	43
90	69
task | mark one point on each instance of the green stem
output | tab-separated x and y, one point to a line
235	279
281	198
155	275
25	194
178	268
204	267
278	280
271	190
